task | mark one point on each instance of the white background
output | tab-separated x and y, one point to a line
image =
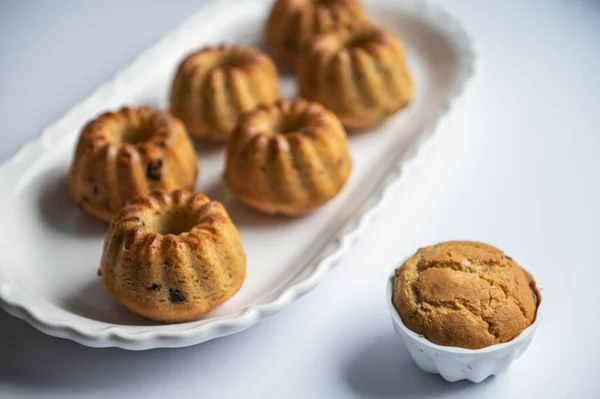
517	165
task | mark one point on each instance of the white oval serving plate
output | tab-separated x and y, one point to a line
48	274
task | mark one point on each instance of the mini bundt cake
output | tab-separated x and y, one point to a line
465	294
288	157
360	74
127	153
215	85
172	256
293	24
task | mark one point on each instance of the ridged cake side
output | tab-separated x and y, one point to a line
172	275
127	153
293	24
360	74
213	86
288	158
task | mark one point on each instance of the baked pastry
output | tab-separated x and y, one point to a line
127	153
293	24
289	157
215	85
172	256
464	294
359	74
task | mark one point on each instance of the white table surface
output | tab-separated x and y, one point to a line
517	165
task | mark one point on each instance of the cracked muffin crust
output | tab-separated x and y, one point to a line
464	294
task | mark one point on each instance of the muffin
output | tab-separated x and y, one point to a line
293	24
288	158
464	294
215	85
127	153
172	256
360	74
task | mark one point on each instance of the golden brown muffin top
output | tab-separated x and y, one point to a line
464	294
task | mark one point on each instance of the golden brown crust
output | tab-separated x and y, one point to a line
289	157
214	85
464	294
293	24
360	74
127	153
172	256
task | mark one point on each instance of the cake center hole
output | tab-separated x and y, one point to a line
233	60
358	41
174	222
133	134
288	124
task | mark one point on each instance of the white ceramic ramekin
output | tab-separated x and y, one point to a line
454	363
